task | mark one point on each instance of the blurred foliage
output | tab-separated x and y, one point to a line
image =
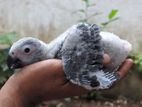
86	16
5	43
111	17
98	96
137	58
85	11
7	38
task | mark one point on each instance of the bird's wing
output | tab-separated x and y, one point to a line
82	55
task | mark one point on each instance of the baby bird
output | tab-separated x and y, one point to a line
81	49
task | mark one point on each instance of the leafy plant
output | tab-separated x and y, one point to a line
86	16
111	17
4	71
85	11
7	38
5	43
137	58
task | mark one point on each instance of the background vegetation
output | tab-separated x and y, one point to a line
5	43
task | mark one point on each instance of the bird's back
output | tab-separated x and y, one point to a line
116	48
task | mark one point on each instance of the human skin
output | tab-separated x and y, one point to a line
41	81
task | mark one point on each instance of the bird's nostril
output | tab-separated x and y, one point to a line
17	61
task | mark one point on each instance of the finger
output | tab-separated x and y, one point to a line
78	89
125	67
69	89
106	59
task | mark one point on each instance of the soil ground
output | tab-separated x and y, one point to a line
82	103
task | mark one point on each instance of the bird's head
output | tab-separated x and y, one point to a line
26	51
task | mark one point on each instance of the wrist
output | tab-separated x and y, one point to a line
10	95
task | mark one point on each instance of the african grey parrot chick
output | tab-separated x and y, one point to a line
81	49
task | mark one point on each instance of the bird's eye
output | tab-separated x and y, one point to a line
12	53
26	50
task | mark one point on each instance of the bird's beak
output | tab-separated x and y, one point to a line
13	63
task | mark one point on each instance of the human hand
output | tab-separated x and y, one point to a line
44	80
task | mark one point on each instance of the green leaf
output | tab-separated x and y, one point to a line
94	14
92	5
2	79
83	20
86	1
81	10
104	23
7	38
93	94
109	21
112	13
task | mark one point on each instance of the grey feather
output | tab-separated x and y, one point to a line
82	53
